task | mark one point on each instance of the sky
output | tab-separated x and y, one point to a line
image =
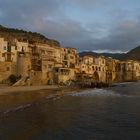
88	25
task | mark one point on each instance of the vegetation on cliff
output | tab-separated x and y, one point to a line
34	37
11	33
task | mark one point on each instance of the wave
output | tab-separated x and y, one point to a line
15	109
100	93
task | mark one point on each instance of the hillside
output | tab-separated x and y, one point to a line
34	37
113	55
133	54
11	33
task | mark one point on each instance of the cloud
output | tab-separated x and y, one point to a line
86	4
86	25
123	37
23	13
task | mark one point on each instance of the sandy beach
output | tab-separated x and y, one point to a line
16	98
10	89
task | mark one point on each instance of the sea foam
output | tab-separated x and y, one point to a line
99	92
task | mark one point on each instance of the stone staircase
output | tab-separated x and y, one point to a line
21	82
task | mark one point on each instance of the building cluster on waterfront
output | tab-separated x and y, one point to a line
42	64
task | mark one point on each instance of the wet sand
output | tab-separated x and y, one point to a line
15	98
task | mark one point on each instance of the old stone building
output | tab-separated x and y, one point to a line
94	68
6	69
131	70
128	71
67	71
7	63
118	71
50	63
136	70
110	70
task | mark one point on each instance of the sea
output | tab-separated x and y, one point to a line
90	114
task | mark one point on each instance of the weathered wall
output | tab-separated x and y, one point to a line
6	69
23	64
64	76
36	78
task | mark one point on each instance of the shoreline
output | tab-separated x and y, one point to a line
11	89
13	99
16	98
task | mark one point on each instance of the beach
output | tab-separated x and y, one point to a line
10	89
15	97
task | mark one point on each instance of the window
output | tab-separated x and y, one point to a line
65	63
4	48
65	57
22	49
96	68
57	70
7	68
3	54
71	57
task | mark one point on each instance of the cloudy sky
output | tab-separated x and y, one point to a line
101	25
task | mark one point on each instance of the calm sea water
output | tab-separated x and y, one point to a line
94	114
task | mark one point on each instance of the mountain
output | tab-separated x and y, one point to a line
11	33
119	56
81	54
133	54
